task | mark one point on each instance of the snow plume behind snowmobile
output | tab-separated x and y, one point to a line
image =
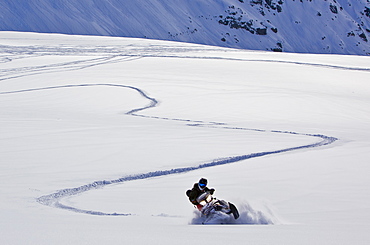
214	211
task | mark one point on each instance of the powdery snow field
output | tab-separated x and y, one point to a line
100	137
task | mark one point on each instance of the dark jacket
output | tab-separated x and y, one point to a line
194	193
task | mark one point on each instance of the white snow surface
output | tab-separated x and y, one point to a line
100	137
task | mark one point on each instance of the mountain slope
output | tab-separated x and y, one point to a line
330	26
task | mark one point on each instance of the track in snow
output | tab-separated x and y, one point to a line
54	199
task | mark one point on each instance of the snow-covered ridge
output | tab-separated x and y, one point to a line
331	26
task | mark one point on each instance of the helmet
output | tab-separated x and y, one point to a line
202	183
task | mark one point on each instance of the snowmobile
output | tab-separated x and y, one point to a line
214	210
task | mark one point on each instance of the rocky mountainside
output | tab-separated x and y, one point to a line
312	26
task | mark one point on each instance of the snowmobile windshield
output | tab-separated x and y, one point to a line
204	199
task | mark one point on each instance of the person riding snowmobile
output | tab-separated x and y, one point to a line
197	190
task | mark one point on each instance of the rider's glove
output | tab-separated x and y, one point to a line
212	191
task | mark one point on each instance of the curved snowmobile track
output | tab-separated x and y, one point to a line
53	199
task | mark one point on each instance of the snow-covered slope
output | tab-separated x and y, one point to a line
330	26
100	137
